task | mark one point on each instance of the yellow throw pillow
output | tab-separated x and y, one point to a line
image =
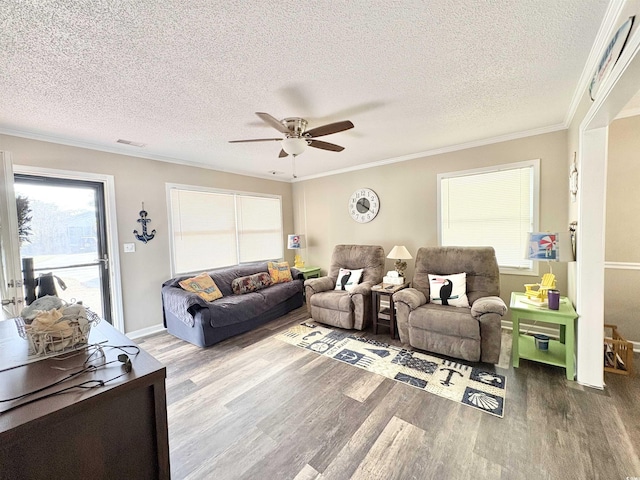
203	285
279	272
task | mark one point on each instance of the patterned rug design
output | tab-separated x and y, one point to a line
452	380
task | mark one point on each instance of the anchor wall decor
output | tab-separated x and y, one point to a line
145	237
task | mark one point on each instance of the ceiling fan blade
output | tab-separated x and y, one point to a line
257	140
283	154
325	145
274	122
329	129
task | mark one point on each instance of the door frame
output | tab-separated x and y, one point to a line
117	310
11	286
615	92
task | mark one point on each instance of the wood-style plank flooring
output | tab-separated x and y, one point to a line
254	407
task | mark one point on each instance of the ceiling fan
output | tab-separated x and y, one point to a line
297	137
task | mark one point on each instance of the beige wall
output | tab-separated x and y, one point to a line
622	229
408	204
140	180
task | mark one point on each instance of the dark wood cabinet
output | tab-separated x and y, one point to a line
116	431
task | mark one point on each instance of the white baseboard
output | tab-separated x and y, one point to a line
145	332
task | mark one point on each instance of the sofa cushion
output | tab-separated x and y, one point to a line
203	285
251	283
449	289
241	308
279	272
348	279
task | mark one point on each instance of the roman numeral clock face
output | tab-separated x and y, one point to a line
364	205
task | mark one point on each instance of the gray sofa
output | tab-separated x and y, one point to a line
473	333
346	309
191	318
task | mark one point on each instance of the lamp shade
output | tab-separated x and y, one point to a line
399	252
294	145
295	241
550	247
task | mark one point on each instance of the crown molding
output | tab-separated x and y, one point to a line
138	154
439	151
632	112
607	27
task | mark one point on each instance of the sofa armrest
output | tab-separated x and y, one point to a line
180	302
488	305
411	297
295	273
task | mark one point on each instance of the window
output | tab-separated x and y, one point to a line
213	228
496	206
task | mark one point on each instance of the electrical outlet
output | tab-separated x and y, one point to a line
129	247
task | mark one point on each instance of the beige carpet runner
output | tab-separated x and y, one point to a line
449	379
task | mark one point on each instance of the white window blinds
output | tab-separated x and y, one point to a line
217	229
259	228
493	207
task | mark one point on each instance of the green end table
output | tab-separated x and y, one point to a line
309	272
561	352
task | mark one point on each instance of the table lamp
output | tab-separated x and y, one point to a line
400	253
295	241
549	247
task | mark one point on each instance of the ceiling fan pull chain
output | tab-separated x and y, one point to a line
293	165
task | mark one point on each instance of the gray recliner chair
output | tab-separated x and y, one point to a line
340	308
473	333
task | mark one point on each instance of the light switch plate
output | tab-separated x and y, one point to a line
129	247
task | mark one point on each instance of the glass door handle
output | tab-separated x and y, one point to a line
104	260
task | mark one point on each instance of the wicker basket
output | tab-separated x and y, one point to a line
46	342
618	353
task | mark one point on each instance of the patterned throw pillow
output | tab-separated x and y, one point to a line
279	272
251	283
203	285
449	289
348	279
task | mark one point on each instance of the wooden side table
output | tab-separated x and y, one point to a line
309	272
385	317
561	352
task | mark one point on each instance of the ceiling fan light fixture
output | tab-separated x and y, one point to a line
294	145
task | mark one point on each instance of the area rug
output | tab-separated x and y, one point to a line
449	379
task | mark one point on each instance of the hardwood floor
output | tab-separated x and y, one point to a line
254	407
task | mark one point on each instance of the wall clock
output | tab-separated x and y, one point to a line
364	205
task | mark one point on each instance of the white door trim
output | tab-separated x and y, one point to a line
10	268
615	92
117	310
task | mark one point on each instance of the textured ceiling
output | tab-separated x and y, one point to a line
184	78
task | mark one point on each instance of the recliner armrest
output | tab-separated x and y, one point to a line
363	288
321	284
488	305
411	297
